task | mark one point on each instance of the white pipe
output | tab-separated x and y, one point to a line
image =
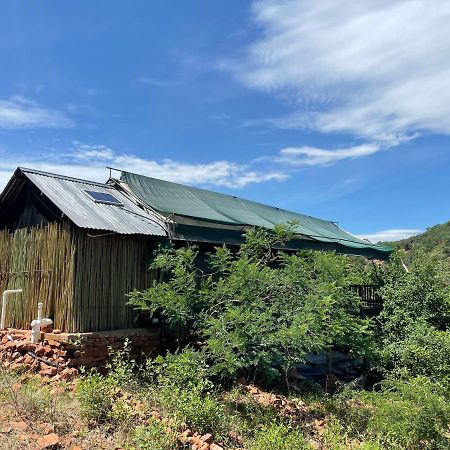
36	325
6	294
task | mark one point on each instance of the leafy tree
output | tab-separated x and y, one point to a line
413	336
258	309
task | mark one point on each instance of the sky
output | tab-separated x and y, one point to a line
339	110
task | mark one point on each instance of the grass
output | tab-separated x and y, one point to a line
138	408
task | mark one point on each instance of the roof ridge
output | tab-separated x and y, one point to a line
195	188
65	177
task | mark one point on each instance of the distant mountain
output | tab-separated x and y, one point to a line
435	242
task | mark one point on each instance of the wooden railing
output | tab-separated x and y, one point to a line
371	299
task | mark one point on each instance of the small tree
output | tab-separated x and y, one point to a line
258	310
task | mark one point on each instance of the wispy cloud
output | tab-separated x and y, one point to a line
90	161
20	112
313	156
375	69
158	82
390	235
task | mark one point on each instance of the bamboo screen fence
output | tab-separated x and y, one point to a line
108	267
82	280
41	262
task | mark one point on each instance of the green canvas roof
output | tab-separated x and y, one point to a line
206	207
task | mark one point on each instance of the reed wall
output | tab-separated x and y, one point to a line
41	261
82	279
107	268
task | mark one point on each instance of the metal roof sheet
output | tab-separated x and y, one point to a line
175	200
69	195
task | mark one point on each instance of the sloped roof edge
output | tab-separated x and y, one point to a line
173	199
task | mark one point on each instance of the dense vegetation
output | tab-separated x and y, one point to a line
250	317
435	242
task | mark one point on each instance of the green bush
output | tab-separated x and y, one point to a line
423	351
277	437
96	396
101	396
181	390
155	435
412	336
404	414
258	311
421	294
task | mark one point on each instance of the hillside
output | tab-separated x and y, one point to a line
435	242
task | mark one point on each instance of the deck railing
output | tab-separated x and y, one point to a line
370	297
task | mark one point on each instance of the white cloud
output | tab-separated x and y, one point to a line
377	69
390	235
89	162
313	156
19	112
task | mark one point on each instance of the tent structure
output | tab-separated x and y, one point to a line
202	215
82	246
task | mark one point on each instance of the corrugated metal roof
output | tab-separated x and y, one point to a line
69	195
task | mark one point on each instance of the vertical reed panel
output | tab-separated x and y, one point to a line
107	268
41	262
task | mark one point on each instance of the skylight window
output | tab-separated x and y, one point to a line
104	197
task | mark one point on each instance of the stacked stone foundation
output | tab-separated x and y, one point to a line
58	352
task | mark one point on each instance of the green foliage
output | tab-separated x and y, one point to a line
182	391
100	395
258	310
155	435
435	243
422	293
404	414
413	337
423	351
278	437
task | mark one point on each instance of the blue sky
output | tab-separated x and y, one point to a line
333	109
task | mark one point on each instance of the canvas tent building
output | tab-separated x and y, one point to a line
81	246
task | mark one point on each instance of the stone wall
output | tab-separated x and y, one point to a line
57	353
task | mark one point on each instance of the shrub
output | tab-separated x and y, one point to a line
278	437
410	414
423	351
258	311
182	391
421	294
101	396
155	436
96	396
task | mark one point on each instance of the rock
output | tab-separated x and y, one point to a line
19	426
68	373
56	331
28	360
48	441
207	438
40	351
50	372
48	428
215	447
54	344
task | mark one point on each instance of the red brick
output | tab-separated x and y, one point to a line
50	440
50	372
207	438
